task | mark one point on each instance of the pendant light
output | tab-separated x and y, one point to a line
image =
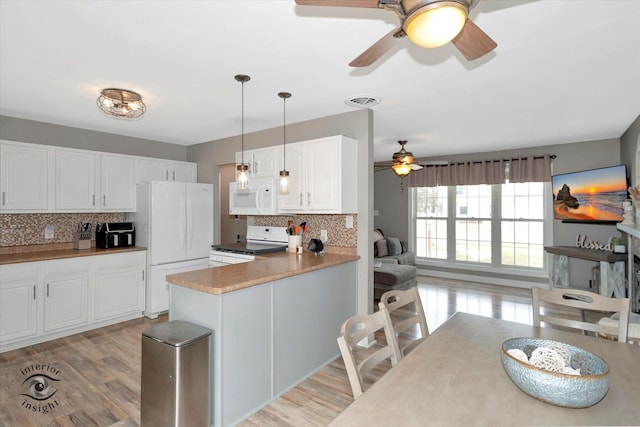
284	173
242	170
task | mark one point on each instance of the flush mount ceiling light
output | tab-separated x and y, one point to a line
121	103
284	173
242	170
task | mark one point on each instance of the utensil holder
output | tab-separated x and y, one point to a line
294	242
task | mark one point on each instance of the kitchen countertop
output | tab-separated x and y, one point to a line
47	255
266	268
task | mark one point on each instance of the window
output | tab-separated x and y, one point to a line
431	222
522	226
501	226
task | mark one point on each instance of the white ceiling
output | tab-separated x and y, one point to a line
563	71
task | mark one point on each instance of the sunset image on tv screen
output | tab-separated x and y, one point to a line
592	195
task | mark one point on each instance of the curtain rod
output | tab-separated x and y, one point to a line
551	156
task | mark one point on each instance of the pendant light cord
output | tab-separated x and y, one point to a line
284	133
242	128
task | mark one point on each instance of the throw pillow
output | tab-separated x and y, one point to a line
394	246
381	245
377	235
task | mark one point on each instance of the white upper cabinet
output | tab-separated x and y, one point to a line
148	169
183	171
75	172
322	176
41	178
23	177
117	183
263	162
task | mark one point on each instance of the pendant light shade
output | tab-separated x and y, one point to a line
284	173
242	170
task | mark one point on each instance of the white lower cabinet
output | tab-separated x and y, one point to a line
18	316
119	284
66	283
40	301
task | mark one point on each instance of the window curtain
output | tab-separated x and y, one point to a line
522	169
465	173
530	169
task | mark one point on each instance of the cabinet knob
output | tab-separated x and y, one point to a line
174	175
47	290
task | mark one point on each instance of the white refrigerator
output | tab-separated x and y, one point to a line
174	221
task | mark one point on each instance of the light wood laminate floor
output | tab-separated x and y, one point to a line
99	371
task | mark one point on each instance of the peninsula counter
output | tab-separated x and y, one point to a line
275	321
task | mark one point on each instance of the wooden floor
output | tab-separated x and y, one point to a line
98	372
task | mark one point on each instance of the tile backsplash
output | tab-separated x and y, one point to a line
28	229
337	232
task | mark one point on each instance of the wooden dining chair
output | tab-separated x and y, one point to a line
583	300
407	315
354	330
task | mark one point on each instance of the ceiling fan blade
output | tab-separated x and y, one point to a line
378	49
415	166
339	3
472	42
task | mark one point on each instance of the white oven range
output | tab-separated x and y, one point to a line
260	240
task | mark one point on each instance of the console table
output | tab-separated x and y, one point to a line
612	277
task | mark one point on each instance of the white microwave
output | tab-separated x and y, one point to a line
260	198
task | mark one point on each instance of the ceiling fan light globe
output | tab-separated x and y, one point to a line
401	169
435	24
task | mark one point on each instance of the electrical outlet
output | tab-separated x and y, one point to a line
48	232
349	221
323	236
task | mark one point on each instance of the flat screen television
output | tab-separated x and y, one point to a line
593	196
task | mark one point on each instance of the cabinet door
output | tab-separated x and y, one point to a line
152	170
117	183
119	284
65	293
75	180
18	302
323	175
266	162
184	172
23	179
295	200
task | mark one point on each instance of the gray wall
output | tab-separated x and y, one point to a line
21	130
629	145
391	201
357	124
393	208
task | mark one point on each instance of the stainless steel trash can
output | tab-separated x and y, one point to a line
175	375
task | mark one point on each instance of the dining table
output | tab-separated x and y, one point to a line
455	378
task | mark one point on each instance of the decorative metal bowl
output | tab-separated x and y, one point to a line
570	391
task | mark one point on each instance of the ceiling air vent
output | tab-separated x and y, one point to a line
362	101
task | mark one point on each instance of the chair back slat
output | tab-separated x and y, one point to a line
406	311
354	330
583	300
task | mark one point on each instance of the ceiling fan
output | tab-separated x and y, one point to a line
402	162
427	23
